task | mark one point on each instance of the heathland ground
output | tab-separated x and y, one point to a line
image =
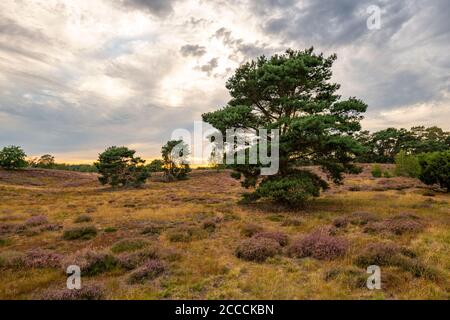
190	230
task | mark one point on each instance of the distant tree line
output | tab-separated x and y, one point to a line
382	146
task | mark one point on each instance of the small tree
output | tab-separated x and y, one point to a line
12	157
376	171
46	161
175	154
407	165
119	167
156	165
435	168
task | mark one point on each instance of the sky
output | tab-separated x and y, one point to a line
79	76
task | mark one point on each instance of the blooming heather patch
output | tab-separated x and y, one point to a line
398	225
318	244
87	292
359	218
150	270
39	258
91	262
257	249
133	260
36	221
279	237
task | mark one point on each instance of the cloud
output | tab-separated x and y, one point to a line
210	66
192	50
156	7
78	76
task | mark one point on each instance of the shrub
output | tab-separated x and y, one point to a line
110	229
390	254
358	218
435	169
91	262
387	174
12	157
407	165
87	292
318	244
36	221
257	249
151	229
380	254
82	218
250	229
400	224
279	237
119	167
80	233
376	171
39	258
132	260
150	270
209	225
128	245
353	277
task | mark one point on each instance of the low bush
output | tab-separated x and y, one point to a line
376	171
390	254
209	225
318	244
87	292
149	271
39	258
352	277
257	249
91	262
82	218
152	229
279	237
358	218
110	229
133	260
250	229
128	245
398	225
80	233
36	221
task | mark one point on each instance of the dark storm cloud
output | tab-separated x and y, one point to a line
192	50
156	7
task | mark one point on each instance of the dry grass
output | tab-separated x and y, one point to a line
203	213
